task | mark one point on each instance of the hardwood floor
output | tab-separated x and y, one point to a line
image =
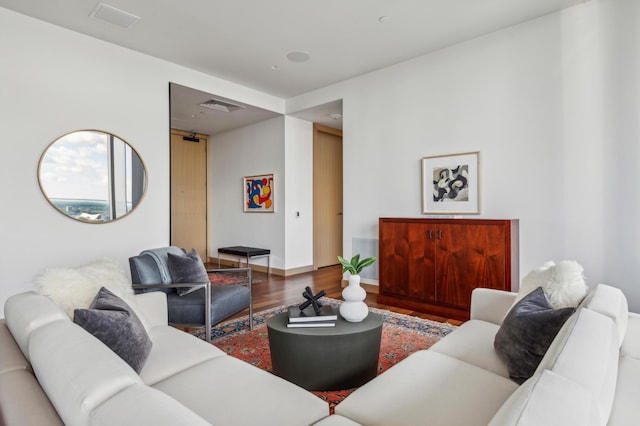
271	291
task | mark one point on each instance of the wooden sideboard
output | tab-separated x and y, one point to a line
432	265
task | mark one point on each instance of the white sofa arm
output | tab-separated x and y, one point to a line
153	307
491	305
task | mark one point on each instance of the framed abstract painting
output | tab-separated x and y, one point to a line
450	184
258	193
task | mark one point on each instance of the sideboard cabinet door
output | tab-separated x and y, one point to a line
411	254
432	265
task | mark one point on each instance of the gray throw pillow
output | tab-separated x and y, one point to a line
187	269
526	333
116	325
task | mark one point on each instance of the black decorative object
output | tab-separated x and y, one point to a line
312	300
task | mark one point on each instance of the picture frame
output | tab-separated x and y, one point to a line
450	184
258	193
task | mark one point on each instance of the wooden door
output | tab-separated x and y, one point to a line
327	196
189	192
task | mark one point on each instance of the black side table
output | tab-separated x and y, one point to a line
248	252
327	358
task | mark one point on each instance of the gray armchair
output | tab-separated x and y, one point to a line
206	304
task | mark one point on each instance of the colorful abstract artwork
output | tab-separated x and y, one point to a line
258	194
450	184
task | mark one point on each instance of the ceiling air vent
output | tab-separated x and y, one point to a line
110	14
220	105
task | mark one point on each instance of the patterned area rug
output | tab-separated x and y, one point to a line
229	278
401	336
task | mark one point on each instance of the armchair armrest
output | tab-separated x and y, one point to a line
491	305
207	300
152	286
249	282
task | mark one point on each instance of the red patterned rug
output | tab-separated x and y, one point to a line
401	336
229	278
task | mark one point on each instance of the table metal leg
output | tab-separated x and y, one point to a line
250	300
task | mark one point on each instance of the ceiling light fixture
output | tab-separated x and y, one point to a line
298	56
383	19
336	116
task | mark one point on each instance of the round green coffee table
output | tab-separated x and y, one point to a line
327	358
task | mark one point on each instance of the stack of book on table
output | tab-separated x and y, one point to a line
308	317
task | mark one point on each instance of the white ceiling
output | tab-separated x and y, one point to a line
247	41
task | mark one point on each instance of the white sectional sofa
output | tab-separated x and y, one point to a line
590	375
185	381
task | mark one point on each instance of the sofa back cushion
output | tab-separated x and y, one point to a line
76	370
611	302
586	352
547	399
26	312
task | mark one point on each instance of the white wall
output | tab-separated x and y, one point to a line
283	146
551	105
53	81
298	157
251	150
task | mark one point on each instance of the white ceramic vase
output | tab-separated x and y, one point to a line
353	309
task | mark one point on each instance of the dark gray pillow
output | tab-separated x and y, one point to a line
526	333
187	269
116	325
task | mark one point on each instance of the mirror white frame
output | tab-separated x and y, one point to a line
92	176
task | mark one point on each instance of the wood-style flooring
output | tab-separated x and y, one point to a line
271	291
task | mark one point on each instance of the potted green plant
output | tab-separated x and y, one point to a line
355	265
353	309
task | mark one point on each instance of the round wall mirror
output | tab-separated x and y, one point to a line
92	176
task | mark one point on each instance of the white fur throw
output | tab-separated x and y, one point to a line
75	288
563	284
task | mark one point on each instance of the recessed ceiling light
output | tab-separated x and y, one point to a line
336	116
383	19
298	56
274	67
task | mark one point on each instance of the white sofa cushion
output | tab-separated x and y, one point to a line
611	302
26	312
428	388
76	370
153	307
547	399
336	420
625	406
219	390
631	344
491	305
174	351
586	351
141	405
472	342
